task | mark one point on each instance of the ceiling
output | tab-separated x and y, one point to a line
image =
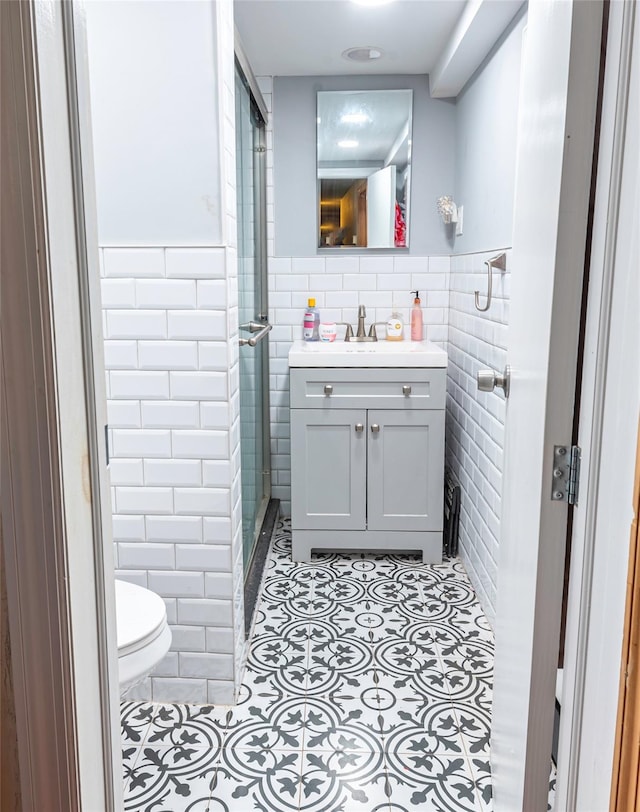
307	37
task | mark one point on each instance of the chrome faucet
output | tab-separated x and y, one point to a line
361	335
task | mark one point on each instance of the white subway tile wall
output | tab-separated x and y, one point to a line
475	420
170	415
171	358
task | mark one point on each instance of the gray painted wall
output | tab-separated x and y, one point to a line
433	174
486	138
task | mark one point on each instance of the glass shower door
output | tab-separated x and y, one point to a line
252	311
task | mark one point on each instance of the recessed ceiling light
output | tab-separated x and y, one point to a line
354	118
372	2
364	53
347	144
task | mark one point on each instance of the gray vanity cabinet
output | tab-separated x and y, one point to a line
405	470
330	471
367	460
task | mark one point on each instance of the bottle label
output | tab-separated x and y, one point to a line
394	327
308	325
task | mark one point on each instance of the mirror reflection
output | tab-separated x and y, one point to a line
363	169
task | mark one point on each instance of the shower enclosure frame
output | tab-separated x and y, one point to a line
266	511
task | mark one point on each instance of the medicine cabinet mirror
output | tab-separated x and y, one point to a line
364	168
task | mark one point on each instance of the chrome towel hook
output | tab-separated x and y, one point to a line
500	263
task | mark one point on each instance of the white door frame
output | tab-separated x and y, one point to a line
81	168
608	427
557	119
73	421
55	510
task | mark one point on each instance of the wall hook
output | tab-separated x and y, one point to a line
499	262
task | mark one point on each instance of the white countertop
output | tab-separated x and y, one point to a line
366	354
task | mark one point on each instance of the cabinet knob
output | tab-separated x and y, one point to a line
406	390
328	389
359	428
375	428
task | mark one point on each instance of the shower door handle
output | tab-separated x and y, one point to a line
260	330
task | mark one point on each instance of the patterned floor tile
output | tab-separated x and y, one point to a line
468	688
370	621
433	637
423	782
481	772
343	779
267	780
434	730
278	645
454	591
276	725
130	756
467	624
341	651
405	663
395	589
367	687
340	591
428	681
471	655
399	700
135	720
279	656
343	724
357	705
287	587
172	779
363	567
474	724
552	789
187	726
355	674
267	689
270	619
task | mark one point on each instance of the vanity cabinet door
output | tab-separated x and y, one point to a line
405	469
328	469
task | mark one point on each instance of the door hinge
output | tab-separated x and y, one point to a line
566	473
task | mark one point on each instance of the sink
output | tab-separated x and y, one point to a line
374	354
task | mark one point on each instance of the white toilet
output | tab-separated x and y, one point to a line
143	634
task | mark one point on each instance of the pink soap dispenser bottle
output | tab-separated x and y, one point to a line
416	318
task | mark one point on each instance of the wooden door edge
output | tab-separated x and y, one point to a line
626	760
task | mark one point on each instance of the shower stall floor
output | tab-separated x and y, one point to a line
368	687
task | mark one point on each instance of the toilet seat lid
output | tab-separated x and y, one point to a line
140	616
